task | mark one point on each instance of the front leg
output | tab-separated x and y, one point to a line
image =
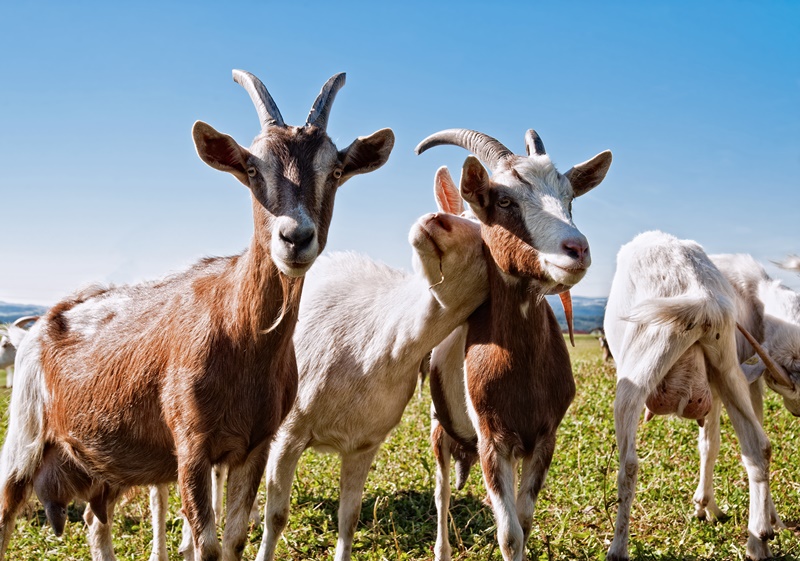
499	477
534	472
440	442
243	481
159	501
194	484
708	445
355	468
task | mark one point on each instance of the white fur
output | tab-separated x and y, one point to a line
667	296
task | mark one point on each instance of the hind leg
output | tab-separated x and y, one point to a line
14	494
99	534
756	452
159	501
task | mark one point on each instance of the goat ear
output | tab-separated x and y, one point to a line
753	369
366	153
475	184
446	193
220	151
588	175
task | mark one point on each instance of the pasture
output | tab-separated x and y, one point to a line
573	518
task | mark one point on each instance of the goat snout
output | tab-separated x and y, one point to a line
299	236
441	220
577	249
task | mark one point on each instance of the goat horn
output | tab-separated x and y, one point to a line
318	116
489	150
534	144
24	320
268	112
778	372
566	301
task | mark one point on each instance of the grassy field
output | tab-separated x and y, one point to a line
573	519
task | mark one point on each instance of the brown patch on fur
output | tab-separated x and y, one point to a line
519	375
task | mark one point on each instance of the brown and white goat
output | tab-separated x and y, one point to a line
196	369
517	381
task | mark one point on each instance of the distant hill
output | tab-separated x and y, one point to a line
10	312
587	313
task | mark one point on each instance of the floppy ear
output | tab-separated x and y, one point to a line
446	193
475	185
220	151
366	153
753	369
588	175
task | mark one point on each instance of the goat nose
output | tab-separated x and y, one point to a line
299	237
442	221
576	248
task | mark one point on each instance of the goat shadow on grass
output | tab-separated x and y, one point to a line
407	519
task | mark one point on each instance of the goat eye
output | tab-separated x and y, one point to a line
337	173
505	202
251	171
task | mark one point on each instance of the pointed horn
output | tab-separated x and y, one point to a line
566	301
489	150
780	375
318	116
268	112
534	144
23	320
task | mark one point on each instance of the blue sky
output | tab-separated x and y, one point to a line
100	182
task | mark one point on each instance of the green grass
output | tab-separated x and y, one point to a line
573	518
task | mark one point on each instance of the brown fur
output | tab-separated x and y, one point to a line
519	375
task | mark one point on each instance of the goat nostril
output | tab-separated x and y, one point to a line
576	249
442	222
299	238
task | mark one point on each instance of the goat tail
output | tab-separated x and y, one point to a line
25	439
687	310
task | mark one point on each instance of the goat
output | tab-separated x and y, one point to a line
11	335
516	383
770	312
196	369
670	322
363	331
791	263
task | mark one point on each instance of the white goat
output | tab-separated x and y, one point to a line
791	263
671	326
770	312
11	335
363	331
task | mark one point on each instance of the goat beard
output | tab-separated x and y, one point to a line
291	289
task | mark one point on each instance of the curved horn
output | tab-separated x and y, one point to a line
534	144
489	150
318	116
780	375
26	319
268	112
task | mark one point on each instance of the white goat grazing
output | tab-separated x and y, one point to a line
197	369
501	384
770	312
363	331
11	335
671	326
